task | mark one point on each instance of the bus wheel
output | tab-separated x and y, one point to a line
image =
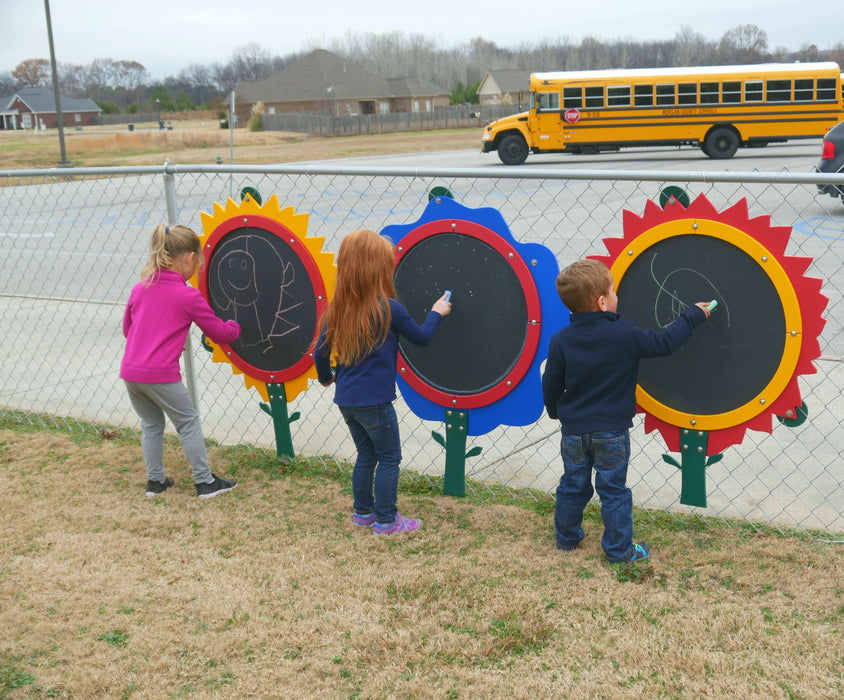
721	143
512	150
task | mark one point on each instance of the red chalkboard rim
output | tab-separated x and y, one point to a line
532	302
281	374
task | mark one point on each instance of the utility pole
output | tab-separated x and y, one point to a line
59	121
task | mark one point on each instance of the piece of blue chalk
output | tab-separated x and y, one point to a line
448	295
713	305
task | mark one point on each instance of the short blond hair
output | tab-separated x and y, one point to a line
580	284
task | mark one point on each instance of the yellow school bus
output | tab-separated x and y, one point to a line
718	108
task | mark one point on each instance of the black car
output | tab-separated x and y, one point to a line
832	159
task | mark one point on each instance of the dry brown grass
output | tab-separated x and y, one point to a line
270	591
197	142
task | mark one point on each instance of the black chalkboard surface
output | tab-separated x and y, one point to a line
733	356
479	343
257	279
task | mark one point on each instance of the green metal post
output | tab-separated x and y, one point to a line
456	426
281	422
692	466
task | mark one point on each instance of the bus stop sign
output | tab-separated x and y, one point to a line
572	115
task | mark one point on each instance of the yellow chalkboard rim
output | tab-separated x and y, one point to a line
771	266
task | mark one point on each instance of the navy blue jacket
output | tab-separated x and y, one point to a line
372	381
590	378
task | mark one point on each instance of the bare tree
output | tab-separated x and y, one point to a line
251	61
691	48
745	43
98	77
70	79
128	74
197	81
836	53
808	53
7	84
225	77
592	54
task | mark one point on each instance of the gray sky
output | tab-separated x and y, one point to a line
168	35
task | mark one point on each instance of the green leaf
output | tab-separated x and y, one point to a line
439	438
474	452
670	460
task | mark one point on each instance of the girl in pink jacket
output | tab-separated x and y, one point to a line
156	322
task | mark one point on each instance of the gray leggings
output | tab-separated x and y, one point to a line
151	402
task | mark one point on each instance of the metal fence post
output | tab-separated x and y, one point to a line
170	196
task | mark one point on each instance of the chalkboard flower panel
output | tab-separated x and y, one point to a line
741	368
264	271
485	358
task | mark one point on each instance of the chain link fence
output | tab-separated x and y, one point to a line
74	241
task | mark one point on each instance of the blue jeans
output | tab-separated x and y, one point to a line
608	453
375	431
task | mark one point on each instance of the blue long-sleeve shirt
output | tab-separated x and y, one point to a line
372	381
590	377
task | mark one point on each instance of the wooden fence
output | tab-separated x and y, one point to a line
455	117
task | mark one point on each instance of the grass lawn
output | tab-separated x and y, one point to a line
202	142
271	591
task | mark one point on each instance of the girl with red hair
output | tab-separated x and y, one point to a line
360	331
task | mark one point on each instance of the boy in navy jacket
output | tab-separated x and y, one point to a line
589	384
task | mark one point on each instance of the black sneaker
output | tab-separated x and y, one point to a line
156	488
215	488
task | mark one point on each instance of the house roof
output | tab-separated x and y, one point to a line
414	87
322	75
41	100
501	81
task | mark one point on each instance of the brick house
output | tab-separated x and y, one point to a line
326	83
30	107
505	87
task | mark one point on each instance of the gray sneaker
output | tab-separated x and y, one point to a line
215	488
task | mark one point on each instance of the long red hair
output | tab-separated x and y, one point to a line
358	318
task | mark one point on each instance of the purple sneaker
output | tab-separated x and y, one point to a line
400	524
364	520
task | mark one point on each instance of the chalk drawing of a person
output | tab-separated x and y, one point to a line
247	298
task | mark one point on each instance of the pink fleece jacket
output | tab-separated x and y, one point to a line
156	323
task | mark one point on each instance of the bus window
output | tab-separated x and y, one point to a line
826	89
643	95
572	98
779	91
804	90
753	91
595	97
709	93
618	96
665	95
731	92
548	101
687	94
